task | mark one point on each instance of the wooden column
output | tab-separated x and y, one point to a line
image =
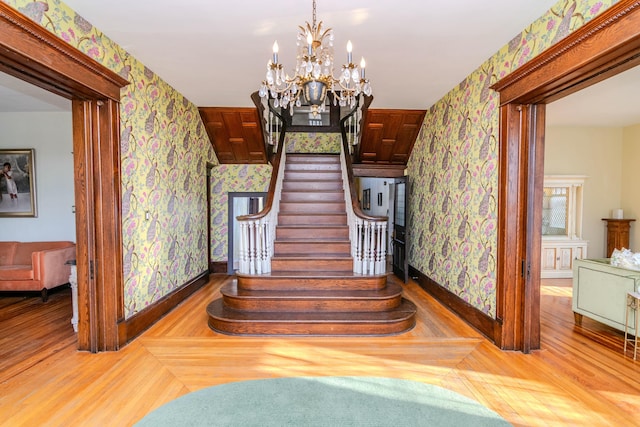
617	234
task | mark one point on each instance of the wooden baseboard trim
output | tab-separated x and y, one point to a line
218	267
474	317
132	327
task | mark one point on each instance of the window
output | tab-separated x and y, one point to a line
562	206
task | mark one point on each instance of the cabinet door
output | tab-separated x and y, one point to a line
548	259
565	260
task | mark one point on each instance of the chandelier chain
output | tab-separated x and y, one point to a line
314	14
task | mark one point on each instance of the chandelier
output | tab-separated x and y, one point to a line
313	76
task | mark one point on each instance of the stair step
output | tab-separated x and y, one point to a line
317	185
312	263
308	280
313	175
236	322
293	218
309	166
313	158
315	246
314	300
312	196
312	207
285	232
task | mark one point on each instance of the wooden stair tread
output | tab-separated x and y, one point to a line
314	256
232	289
311	240
217	309
312	274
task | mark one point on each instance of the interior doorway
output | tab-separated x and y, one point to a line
240	204
605	46
33	54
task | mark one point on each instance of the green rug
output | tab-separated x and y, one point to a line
323	401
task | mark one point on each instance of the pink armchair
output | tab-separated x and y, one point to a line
35	266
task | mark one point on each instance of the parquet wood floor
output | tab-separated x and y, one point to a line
579	377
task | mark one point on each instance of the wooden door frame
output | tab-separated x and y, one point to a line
33	54
605	46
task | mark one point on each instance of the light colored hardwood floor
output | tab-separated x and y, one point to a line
580	376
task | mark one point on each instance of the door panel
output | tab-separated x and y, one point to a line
400	261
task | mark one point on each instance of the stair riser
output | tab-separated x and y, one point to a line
284	219
295	248
312	176
312	197
283	233
311	305
313	208
297	158
335	185
254	283
319	328
328	167
311	265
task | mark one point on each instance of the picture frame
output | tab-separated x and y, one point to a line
366	199
19	177
379	199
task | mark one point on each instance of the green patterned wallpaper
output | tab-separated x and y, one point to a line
453	167
300	142
226	179
164	152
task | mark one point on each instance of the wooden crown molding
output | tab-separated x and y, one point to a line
22	38
588	51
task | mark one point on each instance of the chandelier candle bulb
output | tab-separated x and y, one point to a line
349	49
362	65
310	43
275	52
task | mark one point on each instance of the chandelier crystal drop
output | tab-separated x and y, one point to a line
313	77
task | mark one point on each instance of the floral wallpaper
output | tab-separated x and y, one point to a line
255	178
164	153
300	142
453	174
232	178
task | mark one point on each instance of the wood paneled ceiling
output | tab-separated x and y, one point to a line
388	136
236	134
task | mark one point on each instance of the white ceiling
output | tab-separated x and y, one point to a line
215	53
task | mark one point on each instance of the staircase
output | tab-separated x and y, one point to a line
311	289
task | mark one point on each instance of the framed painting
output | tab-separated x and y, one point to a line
17	183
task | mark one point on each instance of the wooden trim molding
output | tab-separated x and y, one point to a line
607	45
476	318
218	267
139	322
379	171
32	53
603	47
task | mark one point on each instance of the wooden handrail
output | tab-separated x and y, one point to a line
275	166
354	196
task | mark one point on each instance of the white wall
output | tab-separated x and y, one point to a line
377	185
631	183
50	134
598	153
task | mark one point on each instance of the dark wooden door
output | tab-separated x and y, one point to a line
400	261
